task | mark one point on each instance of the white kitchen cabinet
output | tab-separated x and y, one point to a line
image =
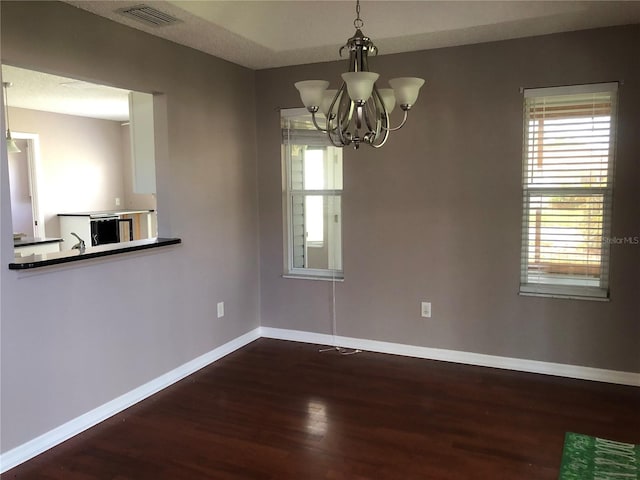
143	155
80	225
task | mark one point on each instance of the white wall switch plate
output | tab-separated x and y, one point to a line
117	201
425	309
220	309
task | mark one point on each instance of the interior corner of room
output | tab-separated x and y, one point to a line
84	167
421	248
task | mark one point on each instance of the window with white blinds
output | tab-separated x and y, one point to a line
312	188
569	139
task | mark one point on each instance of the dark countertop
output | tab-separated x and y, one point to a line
47	259
104	213
25	241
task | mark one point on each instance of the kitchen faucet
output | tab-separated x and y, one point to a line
80	245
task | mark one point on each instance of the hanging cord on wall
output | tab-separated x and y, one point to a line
334	323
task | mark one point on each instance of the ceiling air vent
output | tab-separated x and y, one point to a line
148	15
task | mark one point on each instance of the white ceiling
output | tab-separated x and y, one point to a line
51	93
267	33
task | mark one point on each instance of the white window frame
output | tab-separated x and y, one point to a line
335	251
566	285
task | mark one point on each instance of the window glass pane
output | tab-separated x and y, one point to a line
314	169
565	235
314	218
317	231
333	168
568	152
319	168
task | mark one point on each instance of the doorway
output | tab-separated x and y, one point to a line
23	185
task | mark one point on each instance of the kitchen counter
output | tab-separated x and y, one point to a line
30	245
105	213
56	258
27	241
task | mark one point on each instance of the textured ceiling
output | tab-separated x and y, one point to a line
50	93
264	34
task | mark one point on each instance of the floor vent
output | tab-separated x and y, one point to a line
148	15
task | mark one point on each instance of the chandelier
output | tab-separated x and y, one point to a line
358	112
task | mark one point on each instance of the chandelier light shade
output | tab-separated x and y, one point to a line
11	143
311	91
358	112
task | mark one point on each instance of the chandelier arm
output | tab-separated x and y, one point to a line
404	120
337	102
347	115
380	111
345	120
368	112
384	124
337	139
343	126
315	122
334	133
341	118
345	112
333	142
384	140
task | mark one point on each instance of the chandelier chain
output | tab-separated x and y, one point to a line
358	23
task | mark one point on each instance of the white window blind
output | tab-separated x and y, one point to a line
567	190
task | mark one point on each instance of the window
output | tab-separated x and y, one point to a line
112	167
312	171
569	138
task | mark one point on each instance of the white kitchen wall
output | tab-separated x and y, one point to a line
81	163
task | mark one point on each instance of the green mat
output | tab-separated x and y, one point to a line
591	458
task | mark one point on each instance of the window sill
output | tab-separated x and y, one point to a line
57	258
312	277
564	291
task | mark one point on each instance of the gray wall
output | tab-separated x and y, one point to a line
75	337
435	214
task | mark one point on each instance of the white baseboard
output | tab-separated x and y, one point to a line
50	439
468	358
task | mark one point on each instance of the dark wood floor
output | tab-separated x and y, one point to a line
281	410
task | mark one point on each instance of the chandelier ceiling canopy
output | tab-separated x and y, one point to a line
358	112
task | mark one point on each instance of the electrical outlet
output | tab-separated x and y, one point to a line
220	309
425	309
117	201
